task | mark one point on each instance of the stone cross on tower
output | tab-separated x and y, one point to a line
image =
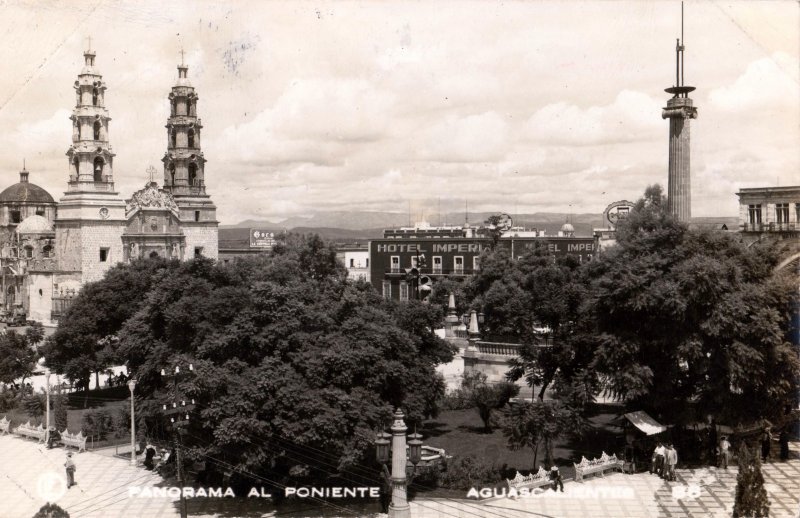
151	172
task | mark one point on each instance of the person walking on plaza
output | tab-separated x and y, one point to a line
724	452
658	460
766	443
70	466
555	476
671	459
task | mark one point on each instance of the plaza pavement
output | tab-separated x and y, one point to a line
31	475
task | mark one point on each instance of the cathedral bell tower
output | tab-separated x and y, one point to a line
184	170
91	215
90	155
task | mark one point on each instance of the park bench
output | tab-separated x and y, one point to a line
5	425
26	430
534	480
78	440
599	465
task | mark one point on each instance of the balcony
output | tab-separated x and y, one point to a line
771	227
390	272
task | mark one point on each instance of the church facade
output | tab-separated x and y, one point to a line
93	228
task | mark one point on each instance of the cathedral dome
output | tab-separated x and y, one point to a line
25	192
34	225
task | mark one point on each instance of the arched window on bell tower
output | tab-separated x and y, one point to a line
173	136
75	164
192	173
78	124
99	164
172	173
97	130
191	138
95	95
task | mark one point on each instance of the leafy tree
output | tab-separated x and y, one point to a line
49	510
81	344
532	425
289	359
487	398
690	323
17	355
751	496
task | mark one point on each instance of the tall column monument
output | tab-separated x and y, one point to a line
680	110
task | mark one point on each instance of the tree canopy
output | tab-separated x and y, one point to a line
283	349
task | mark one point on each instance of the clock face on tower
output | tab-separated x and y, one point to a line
153	223
104	213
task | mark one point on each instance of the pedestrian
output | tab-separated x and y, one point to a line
658	460
724	452
70	466
555	476
671	459
149	454
783	440
766	443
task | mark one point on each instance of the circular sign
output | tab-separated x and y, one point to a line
617	211
104	213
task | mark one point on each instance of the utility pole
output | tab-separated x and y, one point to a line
178	420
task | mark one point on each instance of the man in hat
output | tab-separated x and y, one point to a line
658	459
671	459
70	465
555	476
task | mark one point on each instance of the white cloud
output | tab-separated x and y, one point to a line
768	83
632	116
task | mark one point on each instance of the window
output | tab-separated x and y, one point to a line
173	137
782	213
191	138
103	255
476	263
197	215
367	262
352	263
387	290
458	264
754	214
192	173
16	216
198	251
97	130
437	264
29	252
395	263
98	169
47	251
797	212
415	260
40	212
403	290
94	96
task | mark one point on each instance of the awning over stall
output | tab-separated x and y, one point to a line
645	423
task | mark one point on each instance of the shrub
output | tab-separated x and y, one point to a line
34	405
468	472
8	400
486	398
49	510
60	411
122	422
751	496
97	423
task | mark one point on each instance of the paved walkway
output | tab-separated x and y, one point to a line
31	475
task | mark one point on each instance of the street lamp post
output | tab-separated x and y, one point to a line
179	420
399	507
132	386
47	401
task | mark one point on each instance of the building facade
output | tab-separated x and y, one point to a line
49	250
404	260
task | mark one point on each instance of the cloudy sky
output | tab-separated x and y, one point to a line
514	106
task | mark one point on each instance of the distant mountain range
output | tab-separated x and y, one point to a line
352	226
347	226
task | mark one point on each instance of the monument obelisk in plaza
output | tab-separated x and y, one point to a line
679	111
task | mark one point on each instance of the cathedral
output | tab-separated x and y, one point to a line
49	250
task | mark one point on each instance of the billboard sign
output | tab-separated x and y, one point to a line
260	238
